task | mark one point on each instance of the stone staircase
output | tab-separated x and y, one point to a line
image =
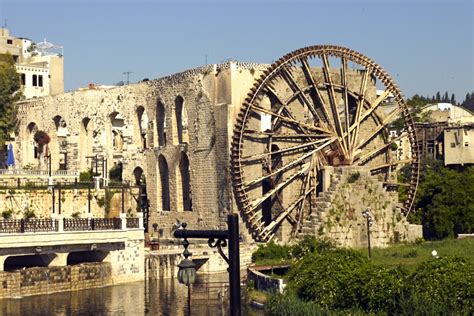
337	212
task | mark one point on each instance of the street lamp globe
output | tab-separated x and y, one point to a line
186	272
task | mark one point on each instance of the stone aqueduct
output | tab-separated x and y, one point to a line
174	130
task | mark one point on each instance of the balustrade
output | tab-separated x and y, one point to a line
33	225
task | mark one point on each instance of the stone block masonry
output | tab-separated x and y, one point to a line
44	280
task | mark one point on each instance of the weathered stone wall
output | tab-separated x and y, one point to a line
338	211
83	123
73	202
44	280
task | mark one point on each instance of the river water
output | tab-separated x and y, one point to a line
152	297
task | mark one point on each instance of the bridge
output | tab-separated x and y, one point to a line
57	242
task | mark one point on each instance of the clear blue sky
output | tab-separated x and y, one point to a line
426	45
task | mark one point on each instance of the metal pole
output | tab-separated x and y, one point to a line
189	299
234	264
123	198
49	164
368	237
89	198
59	199
54	199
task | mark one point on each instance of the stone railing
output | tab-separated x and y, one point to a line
43	173
69	224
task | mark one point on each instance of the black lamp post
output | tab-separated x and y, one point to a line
370	221
187	271
216	238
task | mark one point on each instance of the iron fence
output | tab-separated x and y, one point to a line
28	225
133	223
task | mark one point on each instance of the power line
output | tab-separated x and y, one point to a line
128	75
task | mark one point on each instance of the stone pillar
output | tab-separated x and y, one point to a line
60	260
326	177
2	262
123	218
140	220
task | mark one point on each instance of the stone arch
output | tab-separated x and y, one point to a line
137	175
116	131
161	124
272	207
181	120
142	126
184	179
85	142
164	184
59	143
31	148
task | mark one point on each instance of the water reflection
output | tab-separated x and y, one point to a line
154	297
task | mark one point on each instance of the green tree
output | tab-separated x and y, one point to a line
10	86
446	200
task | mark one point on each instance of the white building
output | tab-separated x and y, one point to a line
41	66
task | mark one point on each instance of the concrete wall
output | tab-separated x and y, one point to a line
459	145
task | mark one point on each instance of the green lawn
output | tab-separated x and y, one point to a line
411	255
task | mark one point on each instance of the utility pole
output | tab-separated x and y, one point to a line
128	75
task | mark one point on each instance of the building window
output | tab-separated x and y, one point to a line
40	80
35	80
23	79
453	145
466	144
9	41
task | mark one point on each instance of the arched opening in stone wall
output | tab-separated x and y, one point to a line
116	131
137	174
185	182
181	120
60	143
85	143
78	257
272	206
31	148
142	120
161	124
13	263
164	184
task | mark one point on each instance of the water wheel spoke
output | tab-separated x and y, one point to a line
291	120
391	164
396	184
291	82
380	127
332	101
257	202
314	85
364	158
360	105
346	104
267	134
288	149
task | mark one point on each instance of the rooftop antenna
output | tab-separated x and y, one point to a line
128	75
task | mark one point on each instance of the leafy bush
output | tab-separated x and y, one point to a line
290	305
444	283
86	176
76	215
7	214
323	277
27	214
353	177
271	251
115	173
310	244
374	288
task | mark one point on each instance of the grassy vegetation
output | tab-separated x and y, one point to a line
411	255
